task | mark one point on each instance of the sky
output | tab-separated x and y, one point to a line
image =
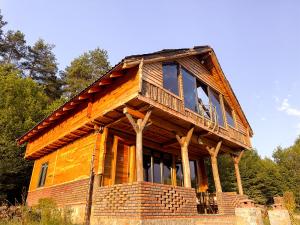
257	43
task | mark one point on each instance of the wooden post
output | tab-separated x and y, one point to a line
236	160
114	160
132	161
184	143
88	206
138	127
102	155
201	176
174	182
214	164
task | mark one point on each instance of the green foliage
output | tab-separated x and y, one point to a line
45	213
13	48
84	70
42	67
22	105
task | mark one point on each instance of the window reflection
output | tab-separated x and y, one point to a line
215	99
229	116
170	77
189	90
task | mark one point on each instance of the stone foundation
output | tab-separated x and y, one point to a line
248	216
197	220
279	217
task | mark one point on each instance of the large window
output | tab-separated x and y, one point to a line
170	77
203	99
157	167
229	116
189	90
179	173
215	99
43	174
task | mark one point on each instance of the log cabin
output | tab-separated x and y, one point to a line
134	145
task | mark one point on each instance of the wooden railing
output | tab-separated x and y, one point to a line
206	116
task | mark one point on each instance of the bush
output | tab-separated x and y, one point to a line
45	213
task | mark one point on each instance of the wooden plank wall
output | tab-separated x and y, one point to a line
69	163
118	93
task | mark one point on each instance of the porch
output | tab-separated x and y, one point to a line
149	149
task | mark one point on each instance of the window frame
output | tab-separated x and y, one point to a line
210	91
43	175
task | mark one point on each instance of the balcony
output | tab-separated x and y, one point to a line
206	118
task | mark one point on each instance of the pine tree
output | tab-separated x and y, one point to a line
84	70
42	67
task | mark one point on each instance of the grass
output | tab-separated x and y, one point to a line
45	213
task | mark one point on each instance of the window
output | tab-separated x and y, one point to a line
179	174
157	167
43	175
228	112
215	99
193	174
203	99
170	77
189	90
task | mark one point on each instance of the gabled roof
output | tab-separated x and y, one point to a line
108	78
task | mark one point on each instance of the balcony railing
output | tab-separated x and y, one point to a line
205	117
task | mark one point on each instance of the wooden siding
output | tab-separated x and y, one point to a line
66	164
123	90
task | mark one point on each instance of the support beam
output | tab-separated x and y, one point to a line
214	164
132	164
184	142
139	127
114	160
236	160
102	153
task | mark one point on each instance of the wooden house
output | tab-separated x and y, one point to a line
132	145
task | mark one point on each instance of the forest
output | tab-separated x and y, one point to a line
32	86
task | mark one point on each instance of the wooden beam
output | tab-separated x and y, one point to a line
170	142
102	151
114	160
132	164
104	82
84	96
133	112
94	89
236	160
138	127
214	164
184	143
116	74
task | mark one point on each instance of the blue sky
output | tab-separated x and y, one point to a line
257	43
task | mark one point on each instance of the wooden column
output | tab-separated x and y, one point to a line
138	127
236	160
114	160
214	164
132	161
184	143
201	176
